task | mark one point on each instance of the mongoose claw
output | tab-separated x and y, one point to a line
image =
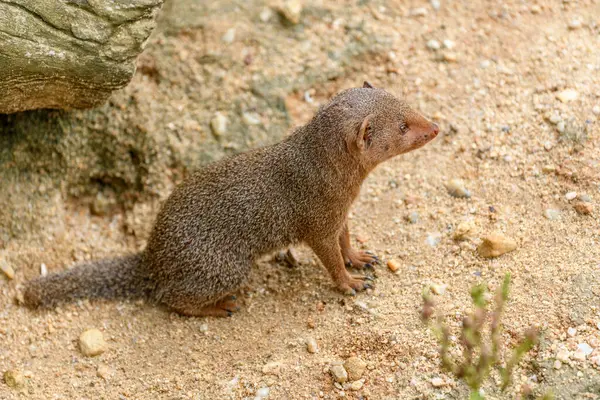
350	292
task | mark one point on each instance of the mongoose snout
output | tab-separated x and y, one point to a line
227	214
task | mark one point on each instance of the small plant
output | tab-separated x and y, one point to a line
480	356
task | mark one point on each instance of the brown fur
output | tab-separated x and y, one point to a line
224	216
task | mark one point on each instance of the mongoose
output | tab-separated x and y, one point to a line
224	216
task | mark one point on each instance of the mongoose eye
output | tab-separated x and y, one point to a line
403	128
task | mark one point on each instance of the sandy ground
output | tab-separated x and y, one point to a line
515	87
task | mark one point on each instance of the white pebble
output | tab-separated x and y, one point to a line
575	24
266	14
418	12
585	348
555	119
312	345
596	110
560	127
219	124
433	239
433	44
567	95
485	64
563	356
449	44
571	331
8	270
435	4
262	393
552	214
43	270
570	196
437	382
229	36
251	118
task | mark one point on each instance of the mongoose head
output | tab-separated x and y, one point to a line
378	126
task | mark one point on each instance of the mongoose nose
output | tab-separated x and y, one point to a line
435	129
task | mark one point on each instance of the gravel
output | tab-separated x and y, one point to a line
91	343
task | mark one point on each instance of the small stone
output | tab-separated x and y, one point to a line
229	36
557	364
355	367
552	214
251	118
413	217
584	197
14	379
449	44
418	12
464	230
535	9
571	195
456	188
579	355
596	110
439	289
91	343
435	4
495	245
219	124
272	368
357	385
101	205
266	14
433	239
575	24
43	269
585	348
450	56
554	119
393	265
571	331
548	168
567	95
103	372
291	11
596	360
8	270
563	356
484	64
561	126
433	44
262	393
583	208
548	145
437	382
338	373
312	345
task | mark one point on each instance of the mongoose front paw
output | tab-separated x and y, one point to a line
361	259
356	283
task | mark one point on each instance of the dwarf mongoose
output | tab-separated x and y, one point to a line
224	216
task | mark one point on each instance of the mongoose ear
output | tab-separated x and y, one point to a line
367	85
363	140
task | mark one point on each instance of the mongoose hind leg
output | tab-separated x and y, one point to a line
223	308
354	258
329	252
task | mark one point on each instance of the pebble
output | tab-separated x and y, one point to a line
596	360
433	44
563	356
575	24
579	355
583	208
561	126
585	348
91	343
439	289
484	64
311	345
250	118
103	372
435	4
43	270
596	110
449	44
14	379
464	230
355	367
557	364
571	331
218	124
413	217
535	9
8	270
229	36
456	188
554	119
450	56
266	14
437	382
495	245
262	393
548	145
571	195
272	368
552	214
357	385
393	265
433	239
291	11
338	373
567	95
418	12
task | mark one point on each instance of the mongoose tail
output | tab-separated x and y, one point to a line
110	279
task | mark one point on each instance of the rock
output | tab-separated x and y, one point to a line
413	217
571	195
82	51
464	230
571	331
583	208
495	245
575	24
393	265
535	9
449	44
229	36
456	188
548	145
8	270
585	348
552	214
437	382
418	12
91	343
433	239
438	289
218	124
450	56
251	118
262	393
435	4
312	345
433	44
557	364
567	95
357	385
338	373
484	64
355	367
554	119
43	270
596	110
563	356
14	379
560	127
266	14
104	372
291	10
272	368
